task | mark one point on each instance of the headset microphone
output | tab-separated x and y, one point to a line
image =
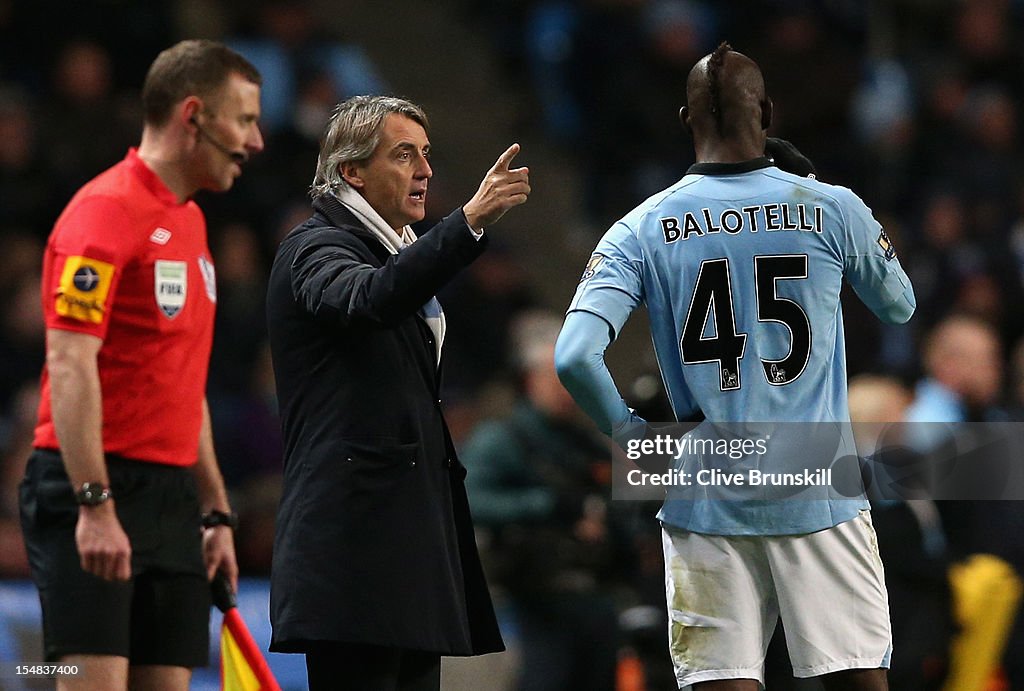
238	157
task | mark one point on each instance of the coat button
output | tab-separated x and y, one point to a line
450	464
412	463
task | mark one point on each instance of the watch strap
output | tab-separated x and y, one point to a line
215	518
92	494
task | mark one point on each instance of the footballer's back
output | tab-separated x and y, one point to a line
742	270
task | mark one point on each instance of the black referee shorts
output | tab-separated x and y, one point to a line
159	617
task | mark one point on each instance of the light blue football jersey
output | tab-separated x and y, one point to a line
740	267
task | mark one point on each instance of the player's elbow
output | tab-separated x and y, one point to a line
896	317
571	358
900	311
903	316
579	352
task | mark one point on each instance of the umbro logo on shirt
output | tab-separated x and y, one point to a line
160	236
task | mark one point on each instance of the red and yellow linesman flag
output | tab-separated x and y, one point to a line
242	666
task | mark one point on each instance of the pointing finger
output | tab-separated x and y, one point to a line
502	163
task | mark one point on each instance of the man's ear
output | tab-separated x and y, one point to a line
767	110
684	118
350	173
188	111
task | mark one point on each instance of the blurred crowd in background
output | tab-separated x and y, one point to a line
915	104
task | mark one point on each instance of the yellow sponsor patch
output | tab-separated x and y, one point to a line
83	289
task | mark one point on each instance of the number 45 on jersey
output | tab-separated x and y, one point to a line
713	299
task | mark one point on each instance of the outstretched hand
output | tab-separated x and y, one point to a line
501	189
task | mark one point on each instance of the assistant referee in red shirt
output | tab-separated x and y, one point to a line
123	506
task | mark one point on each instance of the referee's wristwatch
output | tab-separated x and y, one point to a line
215	518
92	494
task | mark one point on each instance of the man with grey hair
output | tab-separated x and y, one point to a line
375	572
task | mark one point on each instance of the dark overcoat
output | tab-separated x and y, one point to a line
374	542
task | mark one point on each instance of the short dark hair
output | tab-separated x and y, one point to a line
193	67
715	104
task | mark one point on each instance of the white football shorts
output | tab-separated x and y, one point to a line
726	593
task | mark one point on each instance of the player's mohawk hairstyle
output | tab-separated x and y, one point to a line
714	91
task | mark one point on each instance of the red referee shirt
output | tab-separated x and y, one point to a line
127	263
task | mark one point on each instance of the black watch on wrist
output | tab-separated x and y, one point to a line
215	518
92	494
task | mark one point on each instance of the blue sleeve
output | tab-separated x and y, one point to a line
612	283
579	360
871	266
610	289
